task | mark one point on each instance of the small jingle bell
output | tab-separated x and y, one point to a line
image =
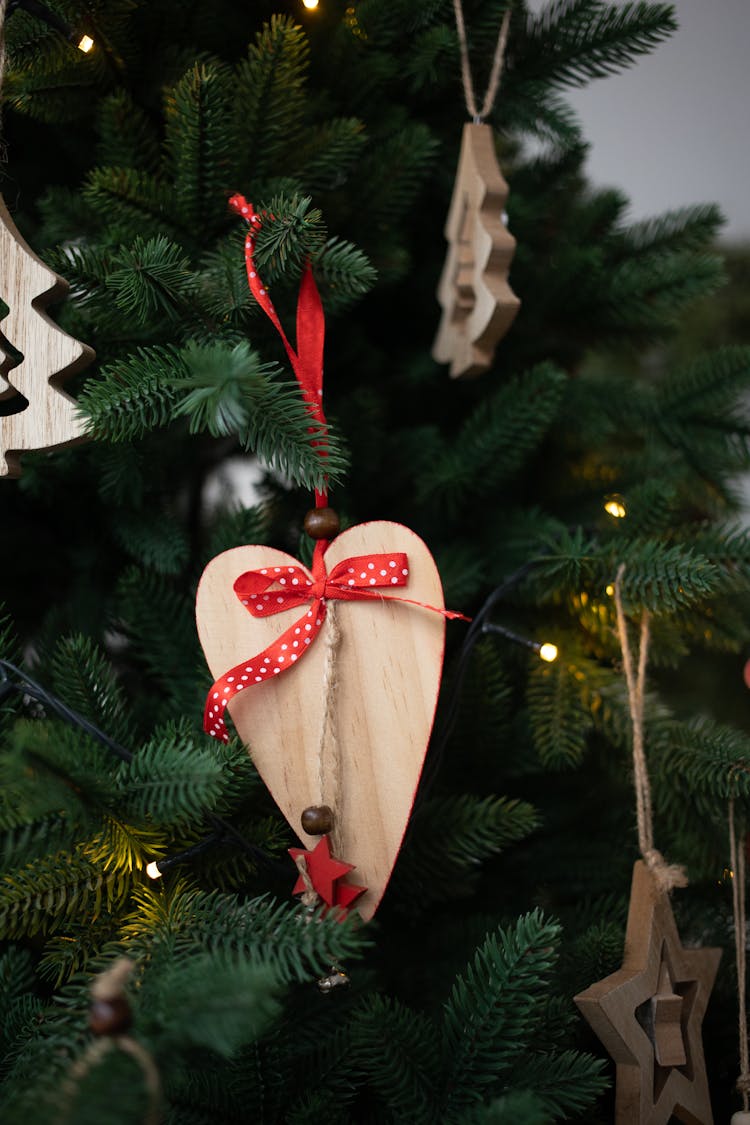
337	978
322	523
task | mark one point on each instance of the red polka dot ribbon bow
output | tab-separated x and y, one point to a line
277	588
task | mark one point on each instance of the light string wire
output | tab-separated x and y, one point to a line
666	875
737	860
498	58
28	687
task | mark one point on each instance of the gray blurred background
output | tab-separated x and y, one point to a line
674	129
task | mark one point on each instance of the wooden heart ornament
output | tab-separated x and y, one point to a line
384	589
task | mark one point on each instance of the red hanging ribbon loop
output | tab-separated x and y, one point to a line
274	589
307	360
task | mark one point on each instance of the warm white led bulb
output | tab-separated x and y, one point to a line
548	652
85	43
310	4
615	507
153	871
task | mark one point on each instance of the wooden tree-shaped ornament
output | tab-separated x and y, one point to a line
649	1014
34	412
477	302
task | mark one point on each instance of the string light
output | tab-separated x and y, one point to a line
153	871
310	4
610	590
41	12
548	652
615	506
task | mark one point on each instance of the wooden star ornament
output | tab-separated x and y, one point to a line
649	1014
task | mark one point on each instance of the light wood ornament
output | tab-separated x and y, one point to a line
50	355
388	667
649	1014
477	302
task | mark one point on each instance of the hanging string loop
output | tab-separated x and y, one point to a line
478	115
666	875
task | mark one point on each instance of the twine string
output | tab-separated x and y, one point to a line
666	875
108	986
309	897
737	860
329	755
493	85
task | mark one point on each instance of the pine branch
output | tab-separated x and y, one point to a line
560	721
200	147
269	933
495	440
566	1083
134	395
127	137
574	41
42	896
171	780
398	1052
270	97
151	279
490	1014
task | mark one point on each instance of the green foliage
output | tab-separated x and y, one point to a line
343	130
490	1014
494	441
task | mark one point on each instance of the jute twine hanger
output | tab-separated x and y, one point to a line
493	85
737	860
666	875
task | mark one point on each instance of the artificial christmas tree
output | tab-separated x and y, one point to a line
509	894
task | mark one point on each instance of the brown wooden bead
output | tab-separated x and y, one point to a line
322	523
110	1017
317	820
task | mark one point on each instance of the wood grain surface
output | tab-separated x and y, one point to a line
388	666
50	355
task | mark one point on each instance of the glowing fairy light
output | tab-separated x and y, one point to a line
85	43
548	652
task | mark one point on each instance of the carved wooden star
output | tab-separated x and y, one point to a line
326	873
649	1014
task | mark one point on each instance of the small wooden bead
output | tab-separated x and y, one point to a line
110	1017
317	820
322	523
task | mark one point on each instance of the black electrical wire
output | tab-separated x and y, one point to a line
29	688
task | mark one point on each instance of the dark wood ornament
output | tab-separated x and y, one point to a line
317	820
322	523
649	1014
110	1017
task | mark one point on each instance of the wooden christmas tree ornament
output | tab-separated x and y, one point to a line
477	302
38	414
649	1013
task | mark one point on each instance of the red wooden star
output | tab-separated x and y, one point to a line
325	871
